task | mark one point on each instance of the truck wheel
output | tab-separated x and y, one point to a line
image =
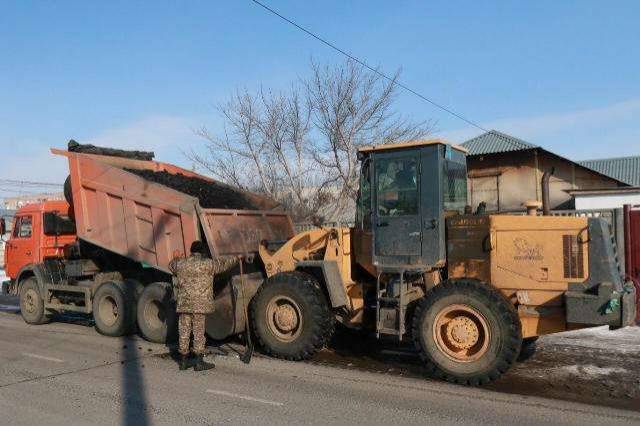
112	313
466	332
31	303
157	319
68	193
290	316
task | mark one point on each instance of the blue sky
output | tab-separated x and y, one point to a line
564	75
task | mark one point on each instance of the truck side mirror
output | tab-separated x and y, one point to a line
3	226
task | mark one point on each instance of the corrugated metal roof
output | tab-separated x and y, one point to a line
494	142
625	169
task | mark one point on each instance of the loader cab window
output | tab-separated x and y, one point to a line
23	227
397	187
455	180
364	197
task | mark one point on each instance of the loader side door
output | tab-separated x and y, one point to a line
397	212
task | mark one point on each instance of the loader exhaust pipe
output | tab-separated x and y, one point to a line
546	208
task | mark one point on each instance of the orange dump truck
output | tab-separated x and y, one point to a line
127	230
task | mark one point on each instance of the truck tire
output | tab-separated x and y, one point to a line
112	311
31	302
466	332
156	312
290	316
68	193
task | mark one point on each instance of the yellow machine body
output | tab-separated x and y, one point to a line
530	259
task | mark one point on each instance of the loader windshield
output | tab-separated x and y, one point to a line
455	181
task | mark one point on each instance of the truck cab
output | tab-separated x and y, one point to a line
40	231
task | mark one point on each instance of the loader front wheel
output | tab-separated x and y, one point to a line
290	316
467	332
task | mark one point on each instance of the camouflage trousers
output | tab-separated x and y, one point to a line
188	323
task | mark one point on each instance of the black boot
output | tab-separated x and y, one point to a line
201	365
185	362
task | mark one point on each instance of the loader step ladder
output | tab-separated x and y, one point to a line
391	303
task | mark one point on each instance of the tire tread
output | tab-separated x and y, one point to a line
506	313
321	314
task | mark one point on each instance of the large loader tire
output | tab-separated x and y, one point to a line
466	332
113	311
156	312
31	303
290	316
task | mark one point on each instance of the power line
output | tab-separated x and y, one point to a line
23	191
29	183
364	64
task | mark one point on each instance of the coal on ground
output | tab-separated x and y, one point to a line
211	195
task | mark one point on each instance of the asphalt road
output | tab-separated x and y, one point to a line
66	373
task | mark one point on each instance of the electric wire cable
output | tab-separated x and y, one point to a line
370	68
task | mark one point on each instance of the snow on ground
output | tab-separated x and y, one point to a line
592	365
623	340
589	370
3	278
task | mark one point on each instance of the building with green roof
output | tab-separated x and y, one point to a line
505	171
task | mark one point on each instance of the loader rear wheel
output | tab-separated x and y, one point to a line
112	312
467	332
31	303
290	316
156	312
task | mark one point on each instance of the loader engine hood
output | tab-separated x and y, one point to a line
546	263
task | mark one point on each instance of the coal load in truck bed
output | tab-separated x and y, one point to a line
74	146
211	195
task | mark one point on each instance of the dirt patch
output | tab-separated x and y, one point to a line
74	146
211	195
593	376
596	366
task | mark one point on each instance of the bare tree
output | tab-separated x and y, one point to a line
263	148
300	146
352	107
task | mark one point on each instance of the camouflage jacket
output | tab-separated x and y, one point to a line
193	281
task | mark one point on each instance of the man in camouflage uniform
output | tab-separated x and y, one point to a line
193	287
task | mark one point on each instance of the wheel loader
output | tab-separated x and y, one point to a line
469	290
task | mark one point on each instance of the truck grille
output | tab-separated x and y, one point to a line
573	257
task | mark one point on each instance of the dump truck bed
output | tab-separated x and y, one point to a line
150	223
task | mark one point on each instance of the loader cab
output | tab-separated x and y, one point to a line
406	191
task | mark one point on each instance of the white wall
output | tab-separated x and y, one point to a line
605	201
